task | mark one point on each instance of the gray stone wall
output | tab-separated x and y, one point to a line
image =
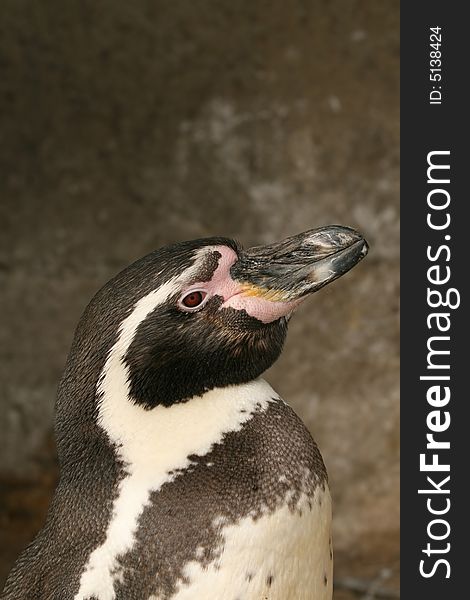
128	125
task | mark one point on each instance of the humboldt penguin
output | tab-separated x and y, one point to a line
183	475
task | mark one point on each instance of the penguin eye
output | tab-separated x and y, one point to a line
192	300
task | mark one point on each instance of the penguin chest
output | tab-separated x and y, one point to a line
244	516
286	555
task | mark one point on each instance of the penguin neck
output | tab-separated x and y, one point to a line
164	435
96	412
99	423
162	439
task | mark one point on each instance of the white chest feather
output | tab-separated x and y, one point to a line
281	556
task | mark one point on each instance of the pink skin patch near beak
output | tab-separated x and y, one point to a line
262	309
236	296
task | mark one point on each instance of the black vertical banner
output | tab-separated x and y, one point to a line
435	255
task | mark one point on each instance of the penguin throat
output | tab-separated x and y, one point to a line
173	372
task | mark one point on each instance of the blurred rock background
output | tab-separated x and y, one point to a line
128	125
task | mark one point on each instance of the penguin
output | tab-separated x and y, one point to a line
183	474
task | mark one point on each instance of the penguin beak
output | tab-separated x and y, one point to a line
288	271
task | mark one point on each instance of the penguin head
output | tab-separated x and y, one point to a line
206	314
